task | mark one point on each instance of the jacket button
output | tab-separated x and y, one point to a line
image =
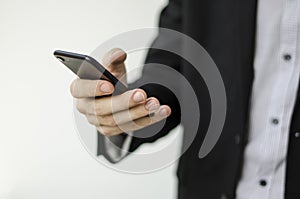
297	134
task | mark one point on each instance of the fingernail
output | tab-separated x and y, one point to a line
151	105
163	112
138	97
106	88
113	56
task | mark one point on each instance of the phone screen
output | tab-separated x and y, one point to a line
86	67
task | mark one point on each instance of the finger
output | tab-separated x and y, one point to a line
82	88
142	110
114	62
112	104
114	57
163	112
122	117
93	120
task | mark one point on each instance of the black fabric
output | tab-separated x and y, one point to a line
226	29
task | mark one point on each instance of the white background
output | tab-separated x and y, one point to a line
41	156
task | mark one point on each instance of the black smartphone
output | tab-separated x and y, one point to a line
86	67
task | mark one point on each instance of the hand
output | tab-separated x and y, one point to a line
113	115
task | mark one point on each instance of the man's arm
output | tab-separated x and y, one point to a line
140	111
117	147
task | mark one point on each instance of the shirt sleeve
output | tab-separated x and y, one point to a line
117	147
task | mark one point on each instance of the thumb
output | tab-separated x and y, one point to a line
113	61
113	58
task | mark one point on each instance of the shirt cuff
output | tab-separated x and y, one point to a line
117	147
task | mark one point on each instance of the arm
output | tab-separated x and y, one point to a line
170	18
112	143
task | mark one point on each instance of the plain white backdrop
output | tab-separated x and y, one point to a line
41	156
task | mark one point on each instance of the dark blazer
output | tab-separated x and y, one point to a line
226	29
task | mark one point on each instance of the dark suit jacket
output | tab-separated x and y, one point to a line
226	29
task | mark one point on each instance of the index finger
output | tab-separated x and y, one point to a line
83	88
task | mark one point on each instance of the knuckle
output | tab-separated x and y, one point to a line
139	112
80	106
101	131
91	122
112	122
100	119
97	108
107	131
145	122
100	107
109	120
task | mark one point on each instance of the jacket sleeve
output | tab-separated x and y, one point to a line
170	18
